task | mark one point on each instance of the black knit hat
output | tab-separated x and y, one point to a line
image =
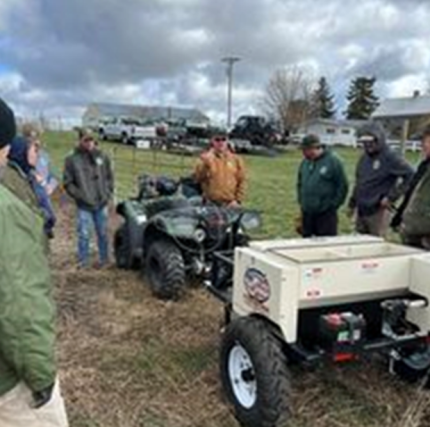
7	125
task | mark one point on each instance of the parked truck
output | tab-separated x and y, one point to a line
127	130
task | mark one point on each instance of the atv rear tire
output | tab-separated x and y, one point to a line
122	250
254	373
165	270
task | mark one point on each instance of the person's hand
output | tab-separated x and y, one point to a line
385	203
205	155
41	398
234	204
39	178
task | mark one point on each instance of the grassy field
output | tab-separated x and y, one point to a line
128	360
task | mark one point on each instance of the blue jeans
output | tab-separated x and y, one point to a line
86	221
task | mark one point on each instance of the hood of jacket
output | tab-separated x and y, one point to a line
19	154
377	131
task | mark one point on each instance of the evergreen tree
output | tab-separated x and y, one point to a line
322	103
362	101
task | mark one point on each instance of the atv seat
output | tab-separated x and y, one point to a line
166	204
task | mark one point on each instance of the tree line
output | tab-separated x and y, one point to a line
293	96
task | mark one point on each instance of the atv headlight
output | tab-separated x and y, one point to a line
200	235
250	220
141	219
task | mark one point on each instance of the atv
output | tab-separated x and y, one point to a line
170	233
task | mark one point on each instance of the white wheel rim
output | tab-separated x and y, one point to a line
242	376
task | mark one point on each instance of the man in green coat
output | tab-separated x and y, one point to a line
322	188
29	391
413	216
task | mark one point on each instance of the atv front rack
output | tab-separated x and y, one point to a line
220	281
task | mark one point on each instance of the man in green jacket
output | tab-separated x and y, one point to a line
413	216
29	391
322	188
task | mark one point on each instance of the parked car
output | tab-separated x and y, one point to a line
127	130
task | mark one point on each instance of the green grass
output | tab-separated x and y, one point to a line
271	181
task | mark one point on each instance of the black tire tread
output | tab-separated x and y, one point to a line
171	259
120	237
271	368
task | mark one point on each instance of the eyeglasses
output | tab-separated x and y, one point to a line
367	140
220	139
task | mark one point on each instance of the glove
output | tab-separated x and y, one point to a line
41	398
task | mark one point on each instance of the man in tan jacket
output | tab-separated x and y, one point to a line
221	174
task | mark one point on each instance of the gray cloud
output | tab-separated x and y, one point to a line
65	54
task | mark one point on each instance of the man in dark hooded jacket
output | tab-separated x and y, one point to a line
382	177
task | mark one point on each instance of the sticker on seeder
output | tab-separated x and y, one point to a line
369	267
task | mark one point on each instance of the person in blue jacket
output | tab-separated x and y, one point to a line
23	156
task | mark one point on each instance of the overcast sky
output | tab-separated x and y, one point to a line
56	56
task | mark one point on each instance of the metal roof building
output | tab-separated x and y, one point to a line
404	118
414	106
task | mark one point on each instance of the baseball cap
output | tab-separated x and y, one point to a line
309	141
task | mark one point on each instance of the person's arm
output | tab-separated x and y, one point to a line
201	171
69	180
299	185
241	181
110	177
341	184
352	203
403	172
26	308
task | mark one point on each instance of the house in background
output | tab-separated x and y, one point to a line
99	112
333	132
404	118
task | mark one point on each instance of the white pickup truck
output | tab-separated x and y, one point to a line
128	131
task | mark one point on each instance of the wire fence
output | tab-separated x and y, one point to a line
130	163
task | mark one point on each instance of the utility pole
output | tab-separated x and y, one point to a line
230	61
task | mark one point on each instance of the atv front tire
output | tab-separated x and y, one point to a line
165	270
254	373
122	250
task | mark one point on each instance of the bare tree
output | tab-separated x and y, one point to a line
288	96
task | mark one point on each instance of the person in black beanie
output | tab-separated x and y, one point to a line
29	389
7	132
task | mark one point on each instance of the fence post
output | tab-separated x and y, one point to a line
115	180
